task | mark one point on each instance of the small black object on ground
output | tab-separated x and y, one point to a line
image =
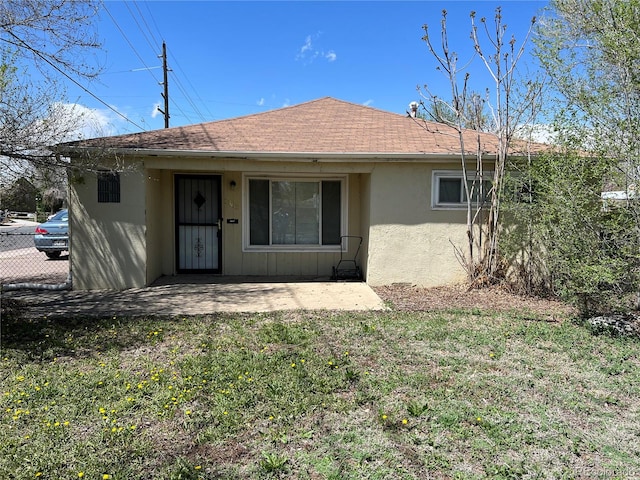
347	268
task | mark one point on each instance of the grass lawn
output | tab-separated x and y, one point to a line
317	395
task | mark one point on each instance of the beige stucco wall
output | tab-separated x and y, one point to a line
108	240
389	205
160	219
365	221
409	242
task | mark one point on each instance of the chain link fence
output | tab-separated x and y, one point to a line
21	265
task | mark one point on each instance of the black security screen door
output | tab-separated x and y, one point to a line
198	223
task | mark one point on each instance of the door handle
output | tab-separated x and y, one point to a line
219	224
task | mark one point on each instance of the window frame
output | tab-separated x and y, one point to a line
437	175
246	223
111	186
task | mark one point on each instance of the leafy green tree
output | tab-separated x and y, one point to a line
591	52
21	196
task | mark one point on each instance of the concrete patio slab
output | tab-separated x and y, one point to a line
198	295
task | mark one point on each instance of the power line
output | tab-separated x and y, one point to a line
150	16
191	102
129	42
23	44
174	61
143	23
142	30
151	34
164	94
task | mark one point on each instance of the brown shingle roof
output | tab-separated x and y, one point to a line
324	126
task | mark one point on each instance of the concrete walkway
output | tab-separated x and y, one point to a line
193	295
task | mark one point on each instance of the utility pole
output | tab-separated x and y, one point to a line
165	94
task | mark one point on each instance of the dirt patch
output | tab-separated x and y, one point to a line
231	452
494	299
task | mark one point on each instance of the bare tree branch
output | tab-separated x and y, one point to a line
483	222
51	39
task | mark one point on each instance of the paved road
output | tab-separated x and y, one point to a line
16	235
20	262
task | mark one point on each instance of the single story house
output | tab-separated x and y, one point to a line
271	194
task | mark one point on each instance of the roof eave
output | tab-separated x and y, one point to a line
269	155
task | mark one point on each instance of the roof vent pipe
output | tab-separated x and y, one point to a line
413	109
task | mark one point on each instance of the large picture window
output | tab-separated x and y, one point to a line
448	190
296	213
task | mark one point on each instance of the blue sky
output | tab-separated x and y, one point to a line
229	59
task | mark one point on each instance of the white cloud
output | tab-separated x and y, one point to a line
260	102
156	110
309	52
306	46
83	122
368	102
286	103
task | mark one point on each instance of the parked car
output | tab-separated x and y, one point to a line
52	236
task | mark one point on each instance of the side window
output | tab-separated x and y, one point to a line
108	187
448	190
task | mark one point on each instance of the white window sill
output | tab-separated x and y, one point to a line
292	248
450	207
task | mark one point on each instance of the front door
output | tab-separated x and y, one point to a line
198	223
